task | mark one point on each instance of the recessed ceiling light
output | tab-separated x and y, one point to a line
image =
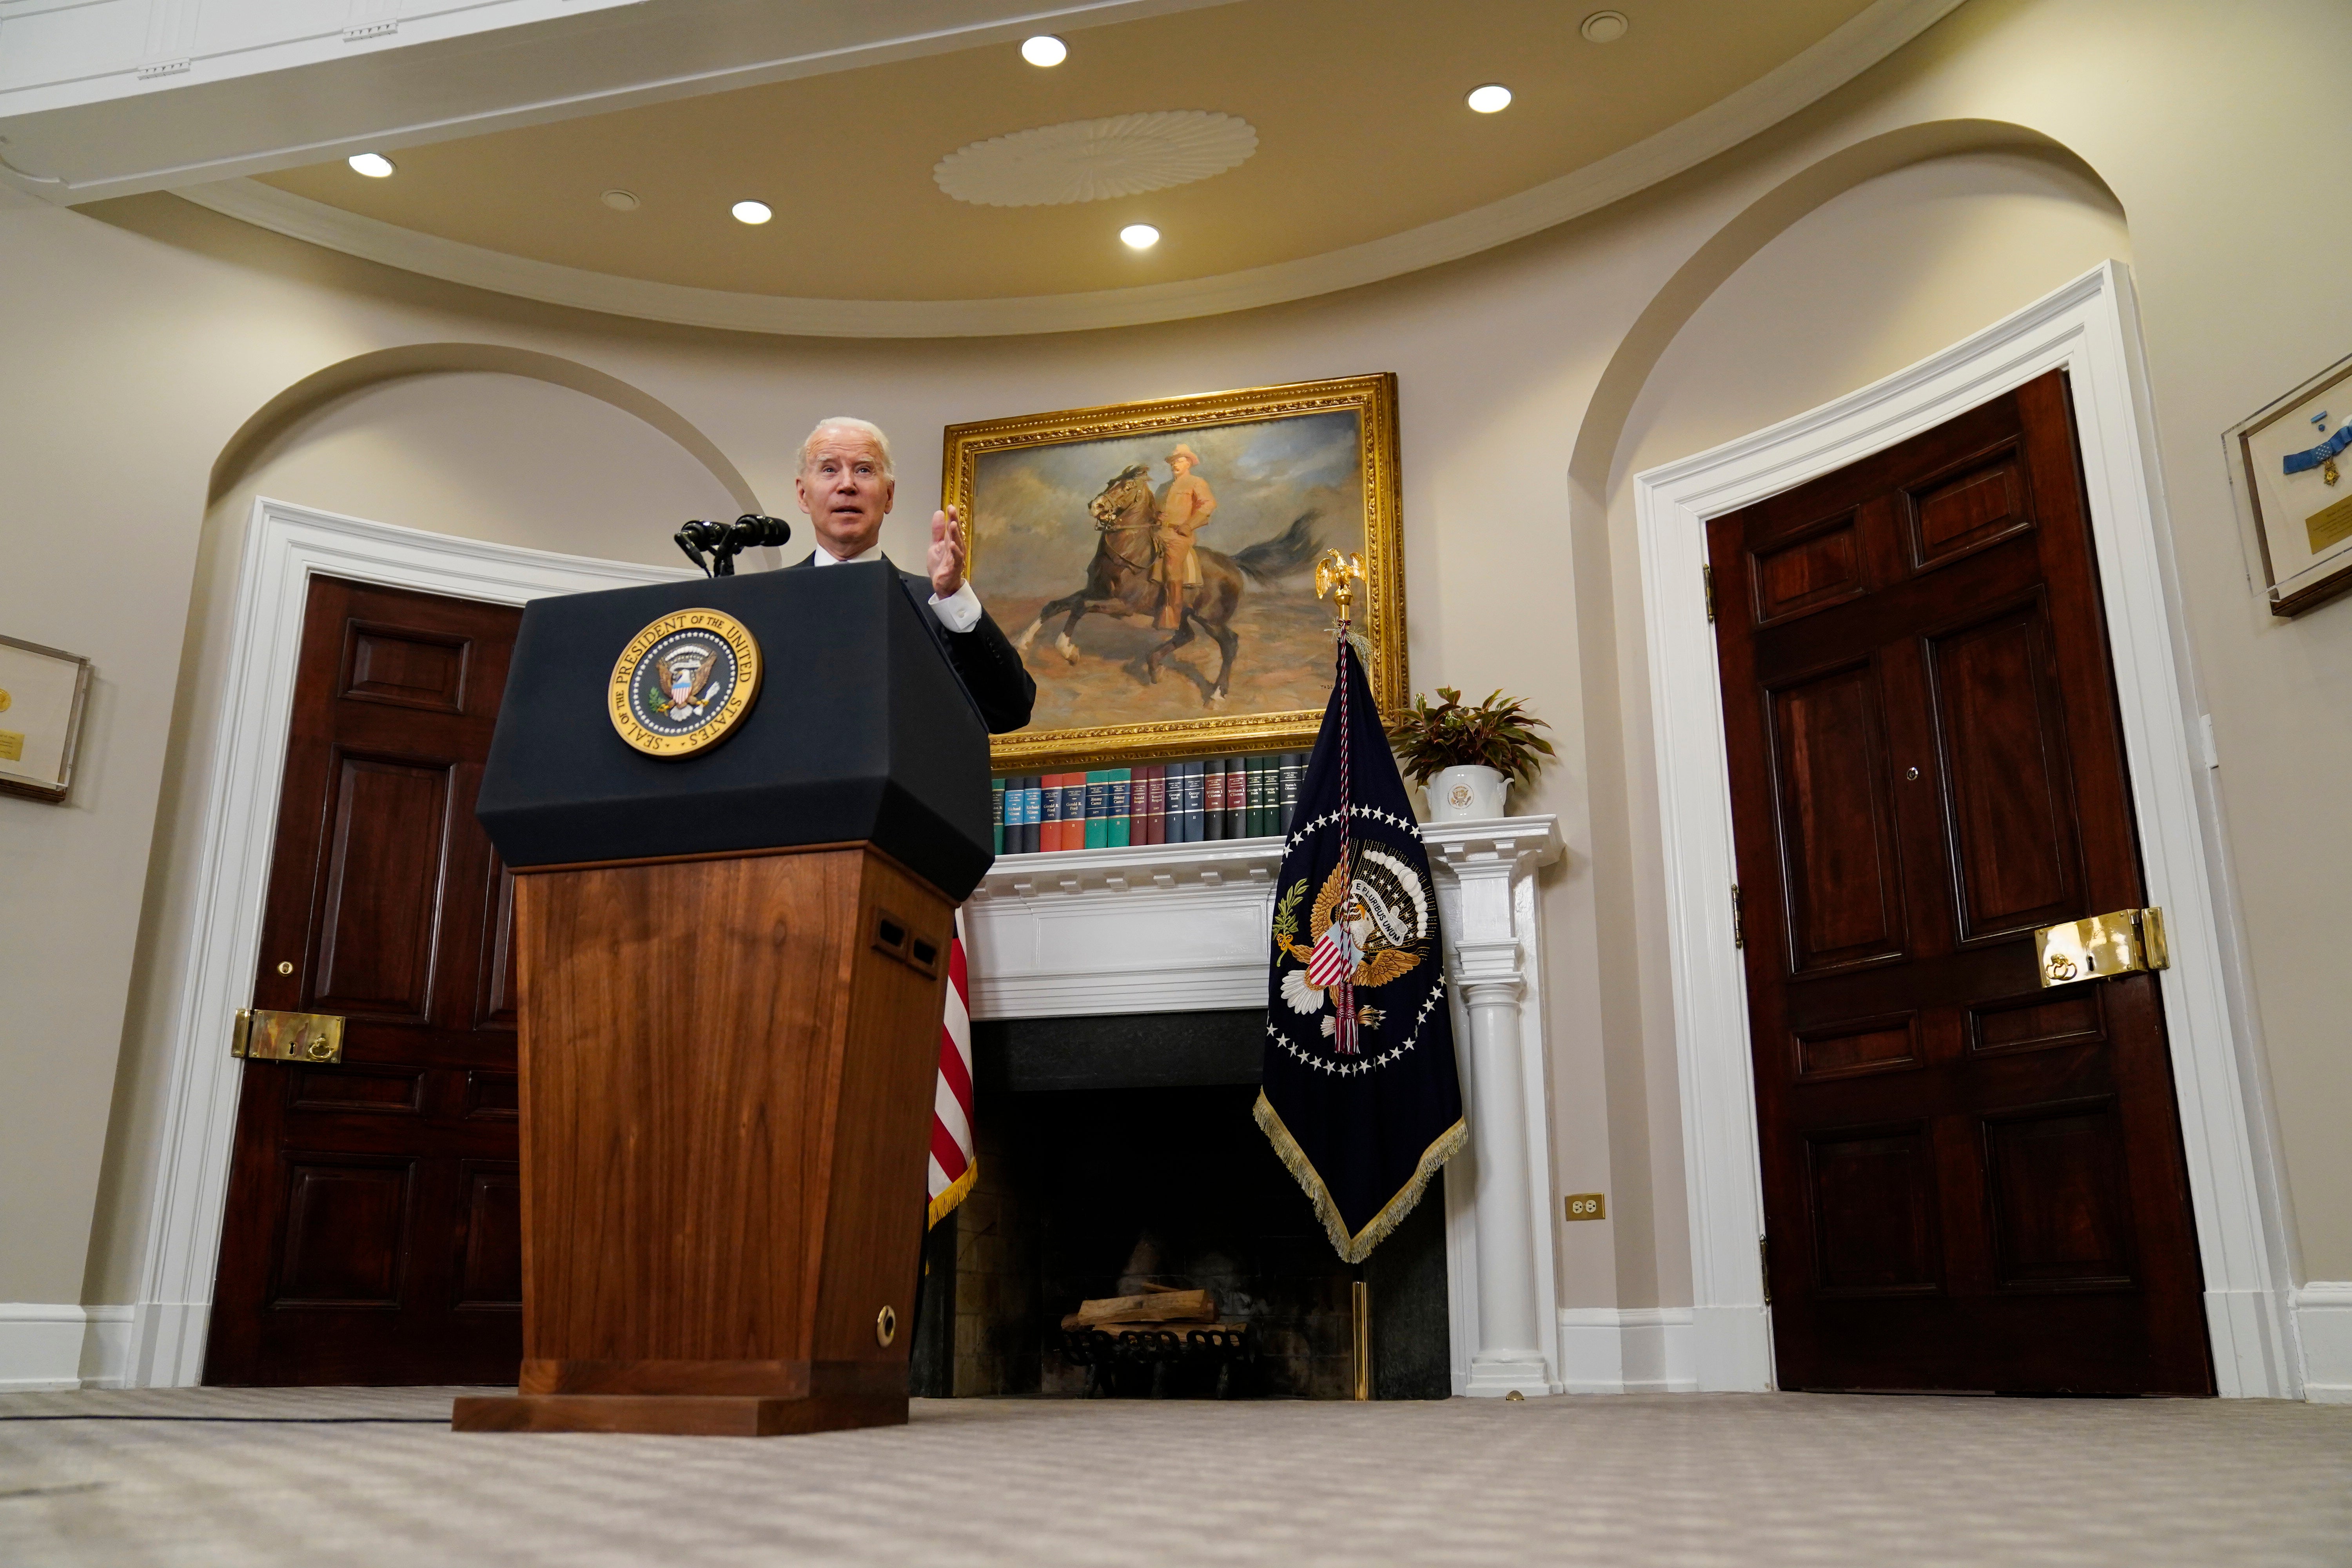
752	212
1491	99
1140	236
620	201
1045	50
1605	27
374	165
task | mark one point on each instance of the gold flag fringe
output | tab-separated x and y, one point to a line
955	1192
1356	1247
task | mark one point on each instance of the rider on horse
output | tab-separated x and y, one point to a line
1183	514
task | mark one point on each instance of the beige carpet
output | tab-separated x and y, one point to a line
372	1475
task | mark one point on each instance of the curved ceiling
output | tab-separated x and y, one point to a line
1364	150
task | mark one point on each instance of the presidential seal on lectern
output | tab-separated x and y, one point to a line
683	683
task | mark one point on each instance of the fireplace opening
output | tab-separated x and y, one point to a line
1117	1158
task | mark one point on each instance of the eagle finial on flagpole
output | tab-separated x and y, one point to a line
1333	573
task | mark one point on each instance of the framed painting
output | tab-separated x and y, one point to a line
42	694
2294	459
1154	563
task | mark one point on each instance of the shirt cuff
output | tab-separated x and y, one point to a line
959	611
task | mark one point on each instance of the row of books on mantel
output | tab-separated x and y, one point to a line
1161	803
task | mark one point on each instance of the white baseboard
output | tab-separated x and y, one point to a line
59	1346
2322	1321
105	1348
1628	1349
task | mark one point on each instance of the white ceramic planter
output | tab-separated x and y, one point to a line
1468	793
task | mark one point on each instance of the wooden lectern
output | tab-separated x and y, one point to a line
732	966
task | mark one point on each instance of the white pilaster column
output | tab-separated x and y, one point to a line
1486	894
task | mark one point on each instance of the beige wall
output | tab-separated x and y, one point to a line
136	342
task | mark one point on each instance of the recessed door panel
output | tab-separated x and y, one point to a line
2066	1017
2003	745
1873	1212
1878	1045
406	669
346	1224
1819	566
1844	893
2060	1218
1960	513
383	887
489	1268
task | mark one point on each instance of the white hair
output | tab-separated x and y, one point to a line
864	427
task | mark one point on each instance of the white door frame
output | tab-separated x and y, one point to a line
2090	329
285	546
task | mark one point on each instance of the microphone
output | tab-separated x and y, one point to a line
725	540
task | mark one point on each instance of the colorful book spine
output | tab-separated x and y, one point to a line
1032	808
1293	764
1074	811
1098	829
1237	798
1195	788
996	815
1259	824
1121	817
1049	824
1212	799
1146	799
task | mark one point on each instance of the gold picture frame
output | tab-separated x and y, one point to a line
1279	473
43	692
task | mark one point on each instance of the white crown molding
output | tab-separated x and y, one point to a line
1868	38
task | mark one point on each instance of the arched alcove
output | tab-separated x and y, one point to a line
1869	192
265	430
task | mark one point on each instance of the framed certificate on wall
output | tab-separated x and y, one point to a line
2294	460
42	694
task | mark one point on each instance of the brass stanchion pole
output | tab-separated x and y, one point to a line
1363	1304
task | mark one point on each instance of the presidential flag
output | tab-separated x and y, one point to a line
1360	1097
953	1165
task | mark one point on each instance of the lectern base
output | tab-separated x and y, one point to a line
676	1415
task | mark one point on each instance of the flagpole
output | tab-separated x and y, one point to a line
1334	576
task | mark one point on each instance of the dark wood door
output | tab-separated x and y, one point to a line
374	1228
1969	1182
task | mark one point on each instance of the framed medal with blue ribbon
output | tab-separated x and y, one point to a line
2292	465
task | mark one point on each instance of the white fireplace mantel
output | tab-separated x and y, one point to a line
1176	928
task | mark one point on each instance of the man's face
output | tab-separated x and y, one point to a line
1180	464
845	492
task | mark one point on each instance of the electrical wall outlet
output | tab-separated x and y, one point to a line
1587	1206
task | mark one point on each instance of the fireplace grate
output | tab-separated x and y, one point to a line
1218	1362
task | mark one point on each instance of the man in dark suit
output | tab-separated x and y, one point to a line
846	486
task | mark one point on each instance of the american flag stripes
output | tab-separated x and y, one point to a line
953	1165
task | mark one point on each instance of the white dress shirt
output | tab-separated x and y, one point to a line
959	612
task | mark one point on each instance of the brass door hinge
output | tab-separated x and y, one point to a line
1707	578
2124	941
1739	929
1764	1264
264	1035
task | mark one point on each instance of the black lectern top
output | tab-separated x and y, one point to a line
861	730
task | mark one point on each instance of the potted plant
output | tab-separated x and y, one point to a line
1467	756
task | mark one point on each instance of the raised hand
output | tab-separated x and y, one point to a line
946	556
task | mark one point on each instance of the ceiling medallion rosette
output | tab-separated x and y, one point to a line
1094	159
